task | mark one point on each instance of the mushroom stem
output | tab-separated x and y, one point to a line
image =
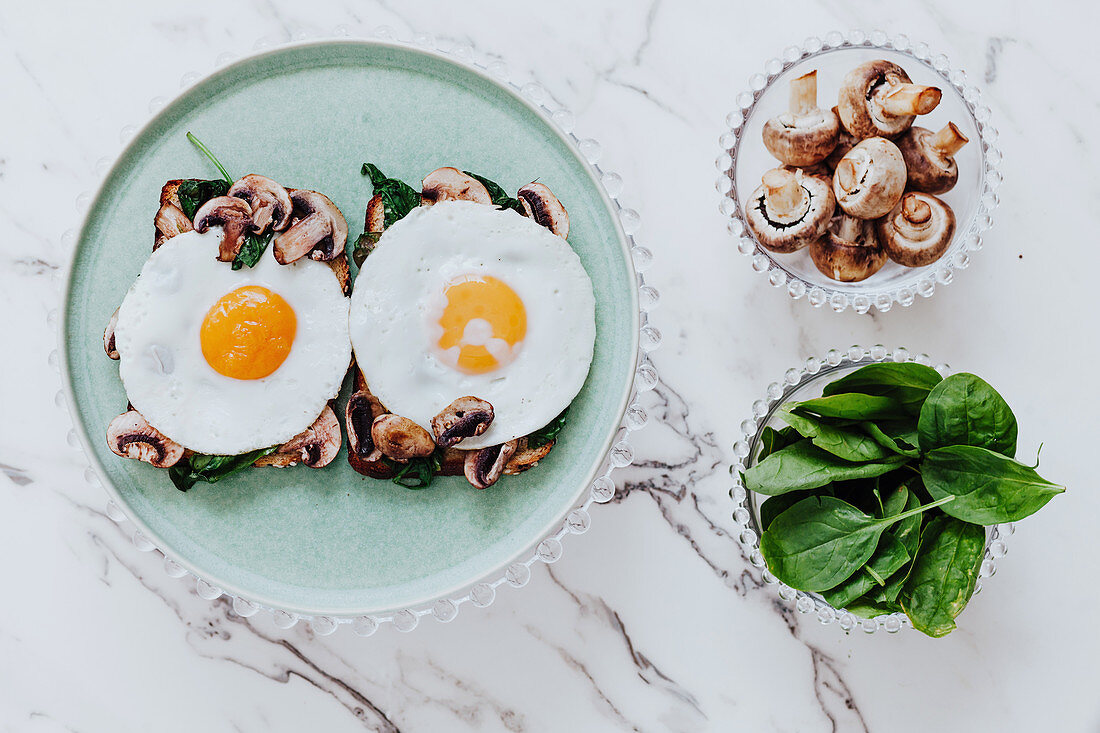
804	94
849	228
949	140
916	211
847	174
782	191
910	99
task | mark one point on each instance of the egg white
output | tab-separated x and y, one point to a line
399	295
170	383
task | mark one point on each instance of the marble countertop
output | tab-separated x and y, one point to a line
651	621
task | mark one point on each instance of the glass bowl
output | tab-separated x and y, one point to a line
744	159
803	383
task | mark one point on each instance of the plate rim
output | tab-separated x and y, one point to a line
151	540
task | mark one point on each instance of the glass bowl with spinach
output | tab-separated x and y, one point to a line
875	490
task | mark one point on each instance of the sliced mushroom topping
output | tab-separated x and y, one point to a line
849	251
359	415
526	457
845	141
878	99
400	439
789	210
317	229
464	418
918	230
805	134
870	179
451	184
543	206
930	157
269	202
483	467
315	447
171	221
235	218
109	336
131	436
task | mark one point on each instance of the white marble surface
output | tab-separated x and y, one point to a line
650	621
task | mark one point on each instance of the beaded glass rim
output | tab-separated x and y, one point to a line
620	454
777	394
969	234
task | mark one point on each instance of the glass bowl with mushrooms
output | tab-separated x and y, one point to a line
859	170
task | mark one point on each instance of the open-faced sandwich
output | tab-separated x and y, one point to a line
473	327
233	341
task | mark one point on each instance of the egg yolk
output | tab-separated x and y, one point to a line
248	333
482	323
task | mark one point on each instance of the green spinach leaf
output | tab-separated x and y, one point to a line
821	541
212	158
858	407
866	608
547	433
416	473
805	466
398	197
211	469
889	557
899	437
909	383
989	488
193	193
497	194
851	445
773	506
964	410
252	250
943	575
772	440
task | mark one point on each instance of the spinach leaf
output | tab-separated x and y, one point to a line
547	433
805	466
252	250
398	197
964	410
213	159
909	383
899	437
497	194
888	558
943	575
193	193
821	541
847	444
211	469
907	532
866	608
772	440
853	406
989	488
775	505
416	473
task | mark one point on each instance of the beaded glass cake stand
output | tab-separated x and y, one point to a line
803	383
485	80
744	159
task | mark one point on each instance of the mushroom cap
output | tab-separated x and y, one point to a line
846	260
778	235
543	206
802	140
131	436
109	337
918	230
483	467
317	228
315	446
234	215
928	169
400	439
859	105
870	178
269	201
466	417
451	184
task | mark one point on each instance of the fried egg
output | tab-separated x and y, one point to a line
227	361
462	299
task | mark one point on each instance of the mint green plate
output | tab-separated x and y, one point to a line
330	541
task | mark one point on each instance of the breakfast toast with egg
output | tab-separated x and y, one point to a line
302	223
383	445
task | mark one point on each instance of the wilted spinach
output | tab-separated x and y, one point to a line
201	467
547	433
416	473
500	199
880	488
193	193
